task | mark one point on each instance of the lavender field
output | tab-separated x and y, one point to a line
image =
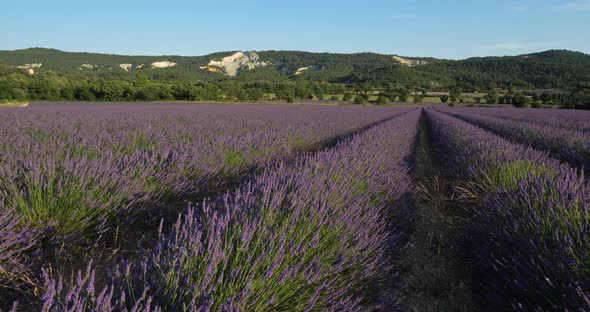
183	207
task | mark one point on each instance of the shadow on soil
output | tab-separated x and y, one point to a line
435	276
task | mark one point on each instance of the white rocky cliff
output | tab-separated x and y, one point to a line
163	64
30	67
308	68
409	62
232	64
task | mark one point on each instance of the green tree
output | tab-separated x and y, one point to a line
381	100
359	99
545	97
403	95
68	93
579	99
254	94
146	94
418	98
320	94
43	89
444	98
84	93
303	92
184	92
519	100
455	94
492	97
6	91
507	99
390	95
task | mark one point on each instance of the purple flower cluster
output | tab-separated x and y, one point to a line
528	231
312	234
569	145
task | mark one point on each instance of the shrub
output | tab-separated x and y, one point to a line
359	99
519	100
418	98
381	100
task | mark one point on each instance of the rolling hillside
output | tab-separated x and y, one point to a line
549	69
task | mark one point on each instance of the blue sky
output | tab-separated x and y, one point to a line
445	29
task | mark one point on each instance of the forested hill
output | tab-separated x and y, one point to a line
555	69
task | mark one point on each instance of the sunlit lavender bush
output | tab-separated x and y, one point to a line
313	235
79	166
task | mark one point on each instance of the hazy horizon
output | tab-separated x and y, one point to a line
235	50
453	30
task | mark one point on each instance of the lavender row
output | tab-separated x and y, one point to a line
528	231
570	146
313	235
72	174
575	120
75	167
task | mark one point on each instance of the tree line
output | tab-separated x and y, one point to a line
52	86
